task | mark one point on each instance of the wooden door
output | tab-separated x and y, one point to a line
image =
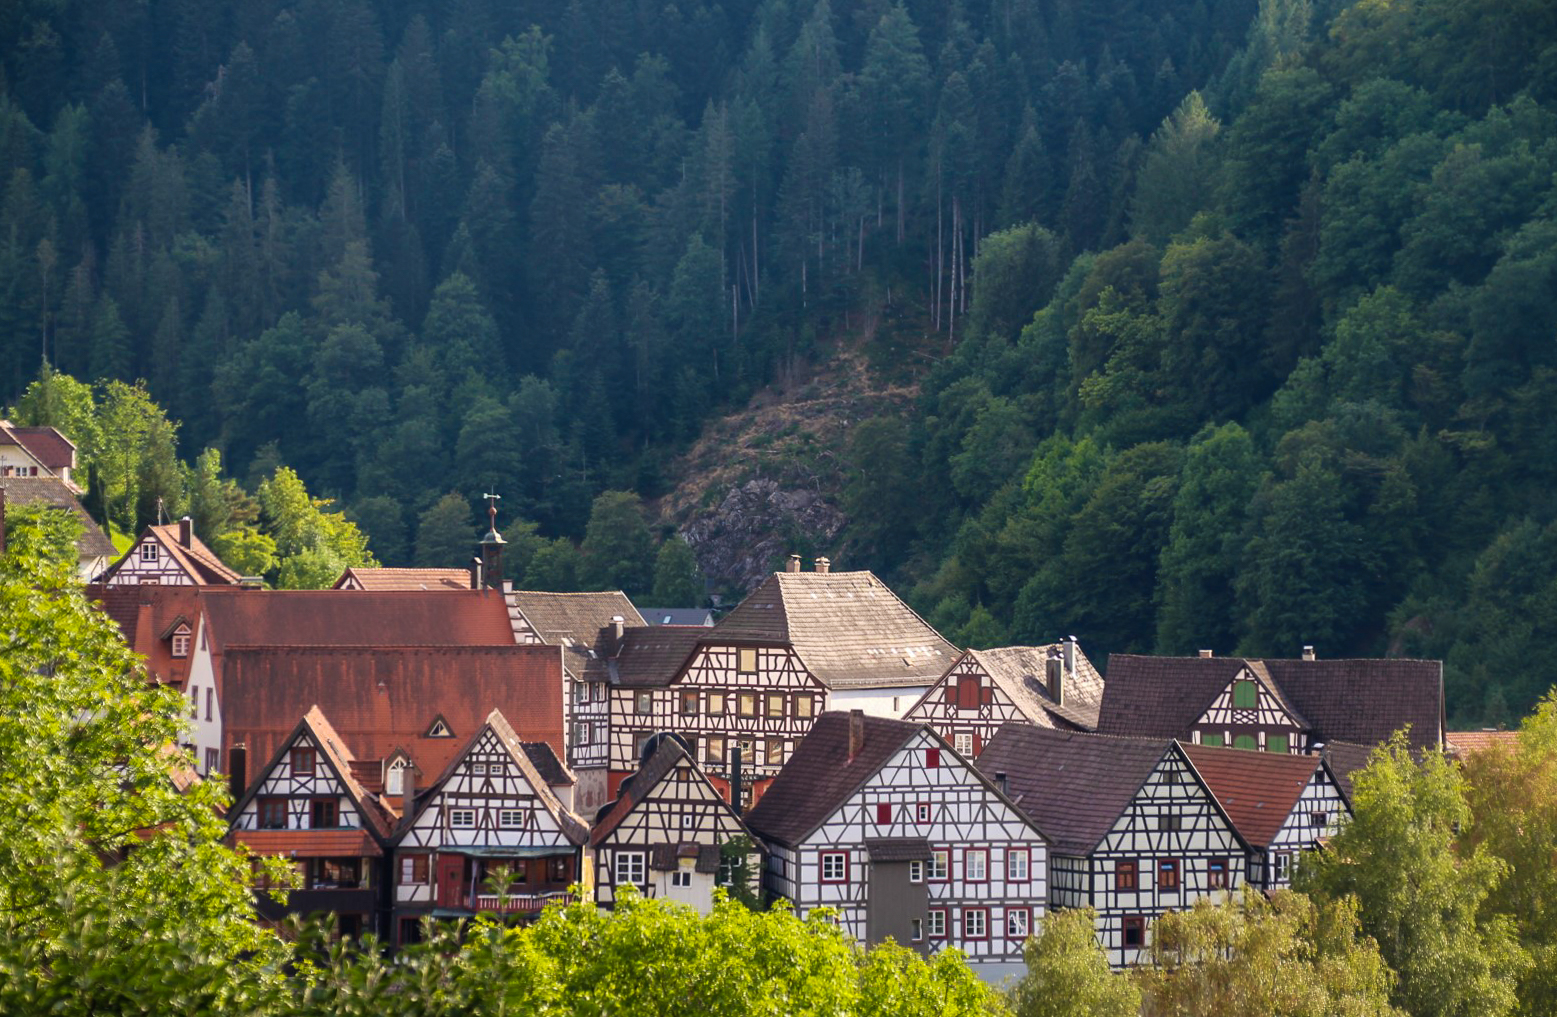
451	881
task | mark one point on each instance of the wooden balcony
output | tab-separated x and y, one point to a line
518	902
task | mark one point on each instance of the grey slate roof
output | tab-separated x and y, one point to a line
651	655
1361	700
1021	672
578	622
1345	759
1073	786
898	849
848	628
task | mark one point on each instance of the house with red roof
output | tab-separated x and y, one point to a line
37	452
169	555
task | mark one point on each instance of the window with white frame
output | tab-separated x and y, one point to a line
922	812
1016	865
938	864
917	927
1283	864
688	821
975	923
975	865
835	867
581	733
681	877
478	768
630	868
181	642
916	872
643	703
1018	923
935	923
394	780
462	819
962	741
148	551
510	819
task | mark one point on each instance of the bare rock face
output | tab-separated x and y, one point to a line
755	527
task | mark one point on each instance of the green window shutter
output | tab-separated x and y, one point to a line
1276	743
1245	696
1216	741
1246	742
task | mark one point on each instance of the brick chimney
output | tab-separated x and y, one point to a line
856	733
618	627
1308	653
793	564
237	771
1207	653
1056	679
186	531
474	568
823	565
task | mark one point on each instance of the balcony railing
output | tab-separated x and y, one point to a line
510	902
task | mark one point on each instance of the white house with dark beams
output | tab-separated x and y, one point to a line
306	805
489	835
1134	830
884	821
1281	805
1051	686
667	833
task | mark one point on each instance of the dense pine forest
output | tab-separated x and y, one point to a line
1233	324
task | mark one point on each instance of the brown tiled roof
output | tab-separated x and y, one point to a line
578	622
146	616
820	776
406	579
1344	760
1073	786
1257	790
1021	672
383	698
44	444
652	655
1467	743
309	843
668	754
572	826
327	618
848	628
55	493
1361	700
197	560
898	849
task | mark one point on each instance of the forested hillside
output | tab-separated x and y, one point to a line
1235	323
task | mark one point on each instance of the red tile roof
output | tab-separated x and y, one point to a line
332	618
45	444
1468	743
1257	790
146	616
309	843
197	561
405	579
382	698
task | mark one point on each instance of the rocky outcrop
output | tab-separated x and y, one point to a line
755	526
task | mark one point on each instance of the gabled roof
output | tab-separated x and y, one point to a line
547	763
338	756
197	561
146	616
383	698
1073	786
667	756
574	828
1362	700
578	622
820	777
651	655
55	493
1021	672
1257	790
1344	760
369	579
700	616
329	618
1465	744
45	444
848	628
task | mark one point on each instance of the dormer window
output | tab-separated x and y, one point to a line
394	779
149	551
181	641
439	729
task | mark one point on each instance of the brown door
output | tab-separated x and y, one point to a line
451	881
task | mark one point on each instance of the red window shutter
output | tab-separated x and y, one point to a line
968	693
978	743
986	695
932	758
883	813
951	694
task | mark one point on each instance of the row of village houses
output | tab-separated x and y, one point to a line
433	742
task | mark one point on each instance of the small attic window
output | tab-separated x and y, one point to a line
149	551
439	729
181	641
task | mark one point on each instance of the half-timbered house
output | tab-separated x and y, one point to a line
1273	705
884	821
671	834
1280	804
307	806
801	643
488	835
588	627
1134	830
1051	686
169	555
